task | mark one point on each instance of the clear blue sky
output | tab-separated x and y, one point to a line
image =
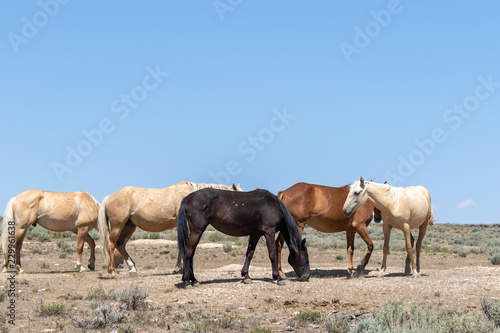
99	95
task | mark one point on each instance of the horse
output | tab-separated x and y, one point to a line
320	207
255	214
55	211
150	209
402	208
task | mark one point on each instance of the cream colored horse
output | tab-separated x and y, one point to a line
150	209
402	208
55	211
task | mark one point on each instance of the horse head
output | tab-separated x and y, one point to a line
299	260
356	197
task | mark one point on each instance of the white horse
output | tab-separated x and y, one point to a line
55	211
403	208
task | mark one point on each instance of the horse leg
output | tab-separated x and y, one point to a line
363	232
408	260
387	237
19	238
350	251
125	235
409	246
421	233
91	244
188	273
252	243
271	248
80	236
279	246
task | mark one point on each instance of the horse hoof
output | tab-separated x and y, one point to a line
82	269
247	281
91	267
280	282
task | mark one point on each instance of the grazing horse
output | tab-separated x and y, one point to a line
321	208
402	208
150	209
255	214
55	211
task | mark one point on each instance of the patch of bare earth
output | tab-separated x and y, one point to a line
446	280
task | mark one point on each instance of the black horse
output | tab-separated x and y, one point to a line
255	214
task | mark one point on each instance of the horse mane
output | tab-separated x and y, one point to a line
291	226
93	199
394	191
199	186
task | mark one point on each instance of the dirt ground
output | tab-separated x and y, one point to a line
447	280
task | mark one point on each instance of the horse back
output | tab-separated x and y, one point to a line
233	213
55	209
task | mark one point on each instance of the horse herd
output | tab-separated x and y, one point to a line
191	207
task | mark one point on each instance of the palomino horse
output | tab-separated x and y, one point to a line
255	214
150	209
55	211
321	208
403	208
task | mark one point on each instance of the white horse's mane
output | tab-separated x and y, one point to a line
199	186
394	191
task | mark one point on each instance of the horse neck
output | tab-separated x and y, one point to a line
199	186
378	196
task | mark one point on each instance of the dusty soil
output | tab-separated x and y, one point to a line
447	280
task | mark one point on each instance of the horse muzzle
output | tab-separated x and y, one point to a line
346	213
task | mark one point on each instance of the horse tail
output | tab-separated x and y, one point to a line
182	230
431	220
102	225
8	217
291	227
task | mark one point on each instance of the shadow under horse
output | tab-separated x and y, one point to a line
257	213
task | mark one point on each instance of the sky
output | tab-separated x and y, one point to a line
98	95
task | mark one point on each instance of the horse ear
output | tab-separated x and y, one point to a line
385	182
362	182
234	187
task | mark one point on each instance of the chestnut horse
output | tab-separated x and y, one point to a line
402	208
321	208
150	209
257	213
55	211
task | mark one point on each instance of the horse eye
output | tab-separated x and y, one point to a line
356	193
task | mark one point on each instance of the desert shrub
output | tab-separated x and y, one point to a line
491	309
44	238
104	316
459	250
98	294
94	233
495	258
306	316
336	324
132	299
261	330
463	323
52	309
399	318
43	264
228	247
63	245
